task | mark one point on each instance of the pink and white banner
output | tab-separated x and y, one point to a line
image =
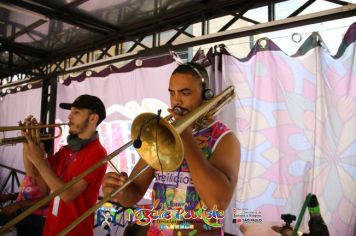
296	121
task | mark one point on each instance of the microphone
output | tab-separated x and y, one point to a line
137	143
158	115
317	226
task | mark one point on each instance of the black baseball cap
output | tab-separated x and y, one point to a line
89	102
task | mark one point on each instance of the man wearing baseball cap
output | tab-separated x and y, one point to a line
90	102
83	151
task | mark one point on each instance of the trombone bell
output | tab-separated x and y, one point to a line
162	147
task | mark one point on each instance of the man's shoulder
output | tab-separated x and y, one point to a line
62	151
220	123
218	128
95	146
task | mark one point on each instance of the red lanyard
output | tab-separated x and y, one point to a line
67	162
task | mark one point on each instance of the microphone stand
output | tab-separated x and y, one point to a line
301	214
317	226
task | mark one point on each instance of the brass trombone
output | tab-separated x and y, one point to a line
34	131
150	128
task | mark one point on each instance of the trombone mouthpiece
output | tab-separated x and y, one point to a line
180	111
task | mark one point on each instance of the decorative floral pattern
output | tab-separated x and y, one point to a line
296	123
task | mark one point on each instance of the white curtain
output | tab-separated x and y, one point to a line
14	108
296	121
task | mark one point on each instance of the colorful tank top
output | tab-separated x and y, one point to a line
175	195
29	191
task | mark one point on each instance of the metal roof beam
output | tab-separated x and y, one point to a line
70	17
302	8
75	3
27	29
7	45
336	13
346	11
342	3
179	18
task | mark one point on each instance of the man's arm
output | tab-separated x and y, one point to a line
8	197
32	172
14	208
48	176
134	192
29	168
214	179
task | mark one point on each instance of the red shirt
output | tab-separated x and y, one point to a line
67	164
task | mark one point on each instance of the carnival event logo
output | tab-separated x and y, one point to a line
175	218
144	216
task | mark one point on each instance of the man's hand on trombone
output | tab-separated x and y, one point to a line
133	187
113	181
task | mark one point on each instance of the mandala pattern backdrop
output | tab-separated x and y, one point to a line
296	121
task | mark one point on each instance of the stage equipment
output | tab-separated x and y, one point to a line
317	226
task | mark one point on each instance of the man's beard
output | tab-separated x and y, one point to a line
80	127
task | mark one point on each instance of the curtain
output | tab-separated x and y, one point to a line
14	108
295	119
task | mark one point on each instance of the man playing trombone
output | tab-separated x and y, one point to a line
83	151
207	177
